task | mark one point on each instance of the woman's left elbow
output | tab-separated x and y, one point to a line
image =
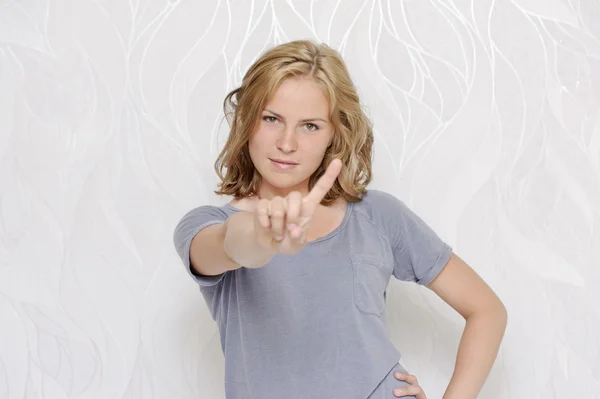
501	313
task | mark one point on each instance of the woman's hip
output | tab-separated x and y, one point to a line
385	389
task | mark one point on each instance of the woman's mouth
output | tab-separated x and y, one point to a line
283	164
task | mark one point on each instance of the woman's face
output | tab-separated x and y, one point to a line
294	128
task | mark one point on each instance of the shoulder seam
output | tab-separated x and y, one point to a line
368	219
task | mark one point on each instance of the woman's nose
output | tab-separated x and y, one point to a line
287	140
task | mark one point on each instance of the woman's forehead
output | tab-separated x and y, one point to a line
299	99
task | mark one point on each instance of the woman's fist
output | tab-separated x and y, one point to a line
283	223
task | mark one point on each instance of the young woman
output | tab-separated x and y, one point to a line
295	268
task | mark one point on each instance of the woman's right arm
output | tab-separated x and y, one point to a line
228	246
251	239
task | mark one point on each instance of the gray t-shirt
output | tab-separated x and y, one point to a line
313	324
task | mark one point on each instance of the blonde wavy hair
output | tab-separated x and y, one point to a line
353	133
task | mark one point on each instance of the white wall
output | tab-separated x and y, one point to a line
487	124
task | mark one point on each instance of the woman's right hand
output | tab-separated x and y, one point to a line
282	223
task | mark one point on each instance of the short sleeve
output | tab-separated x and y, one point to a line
419	253
189	225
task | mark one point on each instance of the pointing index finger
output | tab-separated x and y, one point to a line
325	182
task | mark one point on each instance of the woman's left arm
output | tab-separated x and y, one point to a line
462	288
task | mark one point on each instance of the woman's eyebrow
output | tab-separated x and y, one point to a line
301	120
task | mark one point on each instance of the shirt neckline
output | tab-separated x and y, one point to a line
334	232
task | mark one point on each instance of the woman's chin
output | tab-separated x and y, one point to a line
282	182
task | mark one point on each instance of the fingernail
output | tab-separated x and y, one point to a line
278	238
398	375
291	226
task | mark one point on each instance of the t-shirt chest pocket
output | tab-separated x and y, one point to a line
371	276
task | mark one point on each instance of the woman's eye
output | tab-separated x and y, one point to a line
311	127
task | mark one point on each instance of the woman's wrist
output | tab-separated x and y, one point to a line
240	242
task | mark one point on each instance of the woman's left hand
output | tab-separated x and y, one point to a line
413	389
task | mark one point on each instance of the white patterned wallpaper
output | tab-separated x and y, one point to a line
487	123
